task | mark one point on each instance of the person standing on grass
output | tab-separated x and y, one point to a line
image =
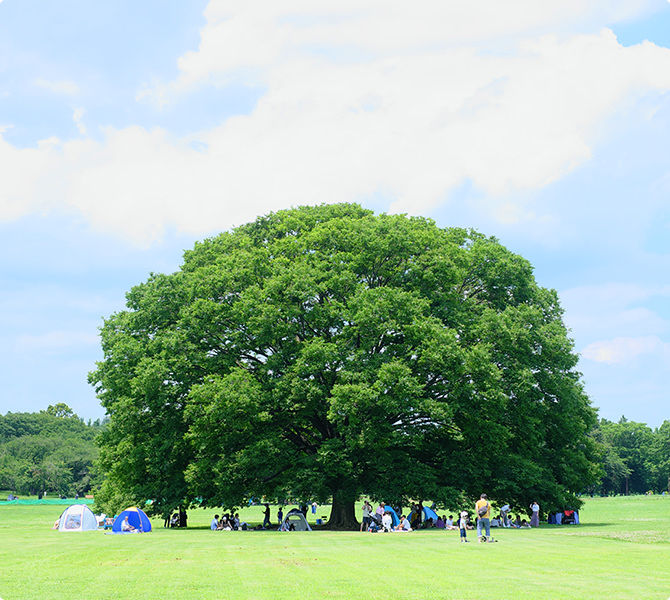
367	510
381	509
266	516
463	526
483	509
535	519
280	516
387	522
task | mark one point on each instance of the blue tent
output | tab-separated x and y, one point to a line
394	516
137	519
429	513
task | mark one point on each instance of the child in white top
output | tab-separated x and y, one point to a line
462	525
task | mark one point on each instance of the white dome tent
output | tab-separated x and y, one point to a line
78	517
295	521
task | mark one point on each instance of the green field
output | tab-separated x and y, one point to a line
621	550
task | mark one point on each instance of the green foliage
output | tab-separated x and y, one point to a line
636	459
659	461
52	451
324	352
60	410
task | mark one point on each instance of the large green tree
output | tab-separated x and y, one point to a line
325	352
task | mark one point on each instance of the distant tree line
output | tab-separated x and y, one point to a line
52	451
635	458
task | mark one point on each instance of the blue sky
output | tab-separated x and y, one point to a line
129	131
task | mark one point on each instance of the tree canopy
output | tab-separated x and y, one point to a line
326	352
635	458
50	451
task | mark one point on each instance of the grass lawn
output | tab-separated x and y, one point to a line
621	550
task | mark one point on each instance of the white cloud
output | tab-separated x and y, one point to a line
66	88
26	173
423	108
260	34
77	118
592	311
623	350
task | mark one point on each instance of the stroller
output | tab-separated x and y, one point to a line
375	523
569	517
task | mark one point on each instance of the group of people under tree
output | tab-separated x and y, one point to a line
227	522
176	519
380	519
231	521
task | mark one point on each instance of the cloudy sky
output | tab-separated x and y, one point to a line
129	130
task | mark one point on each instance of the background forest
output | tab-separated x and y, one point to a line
52	451
635	458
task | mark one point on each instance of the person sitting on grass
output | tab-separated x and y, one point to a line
126	526
214	525
404	524
504	514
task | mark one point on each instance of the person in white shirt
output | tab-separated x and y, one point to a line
404	524
463	526
535	519
367	509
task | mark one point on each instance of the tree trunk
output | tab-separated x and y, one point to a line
342	514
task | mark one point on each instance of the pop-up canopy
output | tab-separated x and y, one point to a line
77	517
137	519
